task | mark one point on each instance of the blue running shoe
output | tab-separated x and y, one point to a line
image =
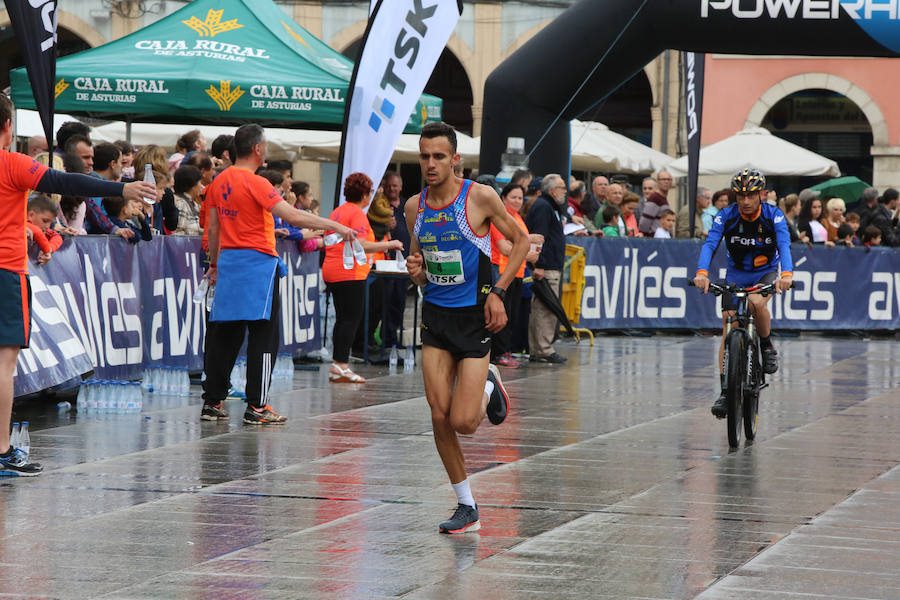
15	464
465	518
236	394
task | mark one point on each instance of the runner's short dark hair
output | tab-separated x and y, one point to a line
436	130
245	138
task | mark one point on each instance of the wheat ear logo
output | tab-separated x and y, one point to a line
61	86
295	35
224	96
213	25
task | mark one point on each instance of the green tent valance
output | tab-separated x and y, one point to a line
217	60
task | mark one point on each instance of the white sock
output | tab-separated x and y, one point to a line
463	493
488	388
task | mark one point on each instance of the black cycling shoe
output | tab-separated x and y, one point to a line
719	408
770	360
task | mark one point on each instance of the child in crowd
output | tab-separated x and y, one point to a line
852	219
844	235
41	214
611	221
666	227
629	204
121	214
871	236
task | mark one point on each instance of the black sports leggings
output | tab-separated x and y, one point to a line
349	303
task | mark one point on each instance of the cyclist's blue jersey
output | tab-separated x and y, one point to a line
755	246
457	261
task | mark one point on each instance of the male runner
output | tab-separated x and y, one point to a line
450	254
18	174
758	241
246	269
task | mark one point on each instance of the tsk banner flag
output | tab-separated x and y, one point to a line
402	44
34	23
694	71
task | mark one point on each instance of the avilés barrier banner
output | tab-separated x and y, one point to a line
104	304
642	284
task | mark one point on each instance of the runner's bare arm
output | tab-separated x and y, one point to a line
301	218
414	261
488	203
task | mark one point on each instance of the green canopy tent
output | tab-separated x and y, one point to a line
213	60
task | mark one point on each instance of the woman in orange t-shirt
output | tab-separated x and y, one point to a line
348	286
512	195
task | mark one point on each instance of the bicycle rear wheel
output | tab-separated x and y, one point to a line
751	398
734	378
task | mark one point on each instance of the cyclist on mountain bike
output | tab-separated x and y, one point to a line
758	241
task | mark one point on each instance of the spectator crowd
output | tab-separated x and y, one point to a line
547	207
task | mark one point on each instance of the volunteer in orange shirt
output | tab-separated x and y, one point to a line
512	195
18	174
246	270
348	286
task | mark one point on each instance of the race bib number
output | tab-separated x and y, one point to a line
444	267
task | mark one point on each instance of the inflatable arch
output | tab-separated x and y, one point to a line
526	92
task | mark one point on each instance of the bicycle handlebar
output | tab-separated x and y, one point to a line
718	289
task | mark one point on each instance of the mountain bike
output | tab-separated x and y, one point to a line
744	376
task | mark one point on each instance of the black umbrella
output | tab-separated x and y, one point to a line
545	294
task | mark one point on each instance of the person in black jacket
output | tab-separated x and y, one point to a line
544	218
882	217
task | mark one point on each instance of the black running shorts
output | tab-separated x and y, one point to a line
459	331
15	309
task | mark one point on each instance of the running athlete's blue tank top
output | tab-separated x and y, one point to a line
457	262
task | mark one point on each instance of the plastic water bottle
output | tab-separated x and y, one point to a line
14	436
148	176
117	400
409	363
401	261
102	396
348	256
90	396
210	296
392	360
358	253
146	381
332	238
82	399
202	289
25	439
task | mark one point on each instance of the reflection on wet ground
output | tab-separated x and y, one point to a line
609	480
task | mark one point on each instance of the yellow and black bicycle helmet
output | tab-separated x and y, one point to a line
748	180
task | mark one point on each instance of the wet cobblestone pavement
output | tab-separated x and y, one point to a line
610	479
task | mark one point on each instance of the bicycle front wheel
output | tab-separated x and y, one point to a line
751	398
734	378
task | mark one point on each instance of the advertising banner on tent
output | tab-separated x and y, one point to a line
106	305
694	69
34	22
642	284
402	43
236	60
